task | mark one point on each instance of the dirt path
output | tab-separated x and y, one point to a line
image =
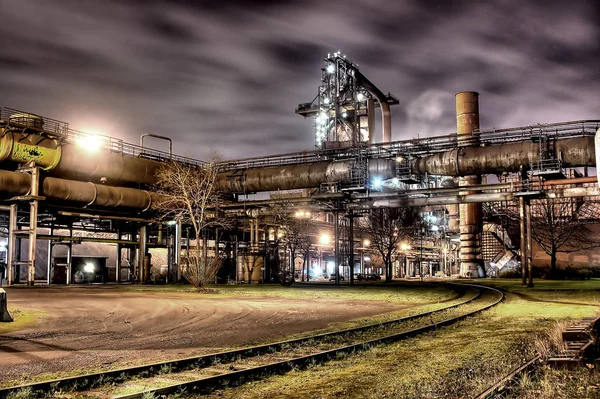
89	328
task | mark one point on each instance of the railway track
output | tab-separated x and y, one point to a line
202	374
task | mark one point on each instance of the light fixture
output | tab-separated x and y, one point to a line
377	182
88	268
326	100
330	68
324	239
399	159
344	114
172	222
366	243
360	97
89	142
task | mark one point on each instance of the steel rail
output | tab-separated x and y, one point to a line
495	389
206	360
208	384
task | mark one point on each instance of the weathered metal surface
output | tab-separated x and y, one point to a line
96	194
25	148
298	176
386	114
578	151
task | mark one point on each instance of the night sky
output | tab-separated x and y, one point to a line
227	75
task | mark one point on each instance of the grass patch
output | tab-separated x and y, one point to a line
22	318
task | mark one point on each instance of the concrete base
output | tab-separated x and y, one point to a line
5	317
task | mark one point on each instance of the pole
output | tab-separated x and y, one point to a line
529	248
337	248
351	249
118	265
142	254
523	243
12	243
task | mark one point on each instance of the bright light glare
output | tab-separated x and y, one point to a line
88	268
172	222
395	181
377	182
366	243
360	97
326	100
324	239
434	228
330	68
367	259
399	159
404	246
90	143
344	114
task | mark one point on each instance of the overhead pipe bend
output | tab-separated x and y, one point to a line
386	115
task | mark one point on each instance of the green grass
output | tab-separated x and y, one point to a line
456	361
21	318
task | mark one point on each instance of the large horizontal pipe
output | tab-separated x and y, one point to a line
73	161
71	190
508	157
299	176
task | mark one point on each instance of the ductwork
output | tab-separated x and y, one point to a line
76	191
299	176
573	152
68	160
386	115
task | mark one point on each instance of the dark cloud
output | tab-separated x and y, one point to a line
228	75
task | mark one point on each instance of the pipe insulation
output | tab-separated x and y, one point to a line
299	176
76	191
509	157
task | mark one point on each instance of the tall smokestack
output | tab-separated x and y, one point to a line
467	121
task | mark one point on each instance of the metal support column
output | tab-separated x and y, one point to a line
119	259
142	253
351	245
336	238
523	241
49	262
529	248
33	214
69	261
177	249
12	244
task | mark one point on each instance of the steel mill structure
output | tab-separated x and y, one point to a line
51	186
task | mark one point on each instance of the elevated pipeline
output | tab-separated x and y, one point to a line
573	152
76	191
299	176
68	160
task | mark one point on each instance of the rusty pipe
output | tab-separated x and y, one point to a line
574	152
386	114
298	176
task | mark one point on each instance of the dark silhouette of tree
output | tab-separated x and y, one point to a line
188	193
386	228
561	225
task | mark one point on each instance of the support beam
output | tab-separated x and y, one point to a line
529	246
143	237
351	245
12	244
523	241
336	238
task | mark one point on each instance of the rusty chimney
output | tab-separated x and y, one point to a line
467	121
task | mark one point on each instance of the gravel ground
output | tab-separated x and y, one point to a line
103	327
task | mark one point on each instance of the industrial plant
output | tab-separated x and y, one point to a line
82	208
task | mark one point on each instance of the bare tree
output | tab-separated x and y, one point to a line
386	228
561	225
297	226
188	193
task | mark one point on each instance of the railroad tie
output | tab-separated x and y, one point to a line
579	342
